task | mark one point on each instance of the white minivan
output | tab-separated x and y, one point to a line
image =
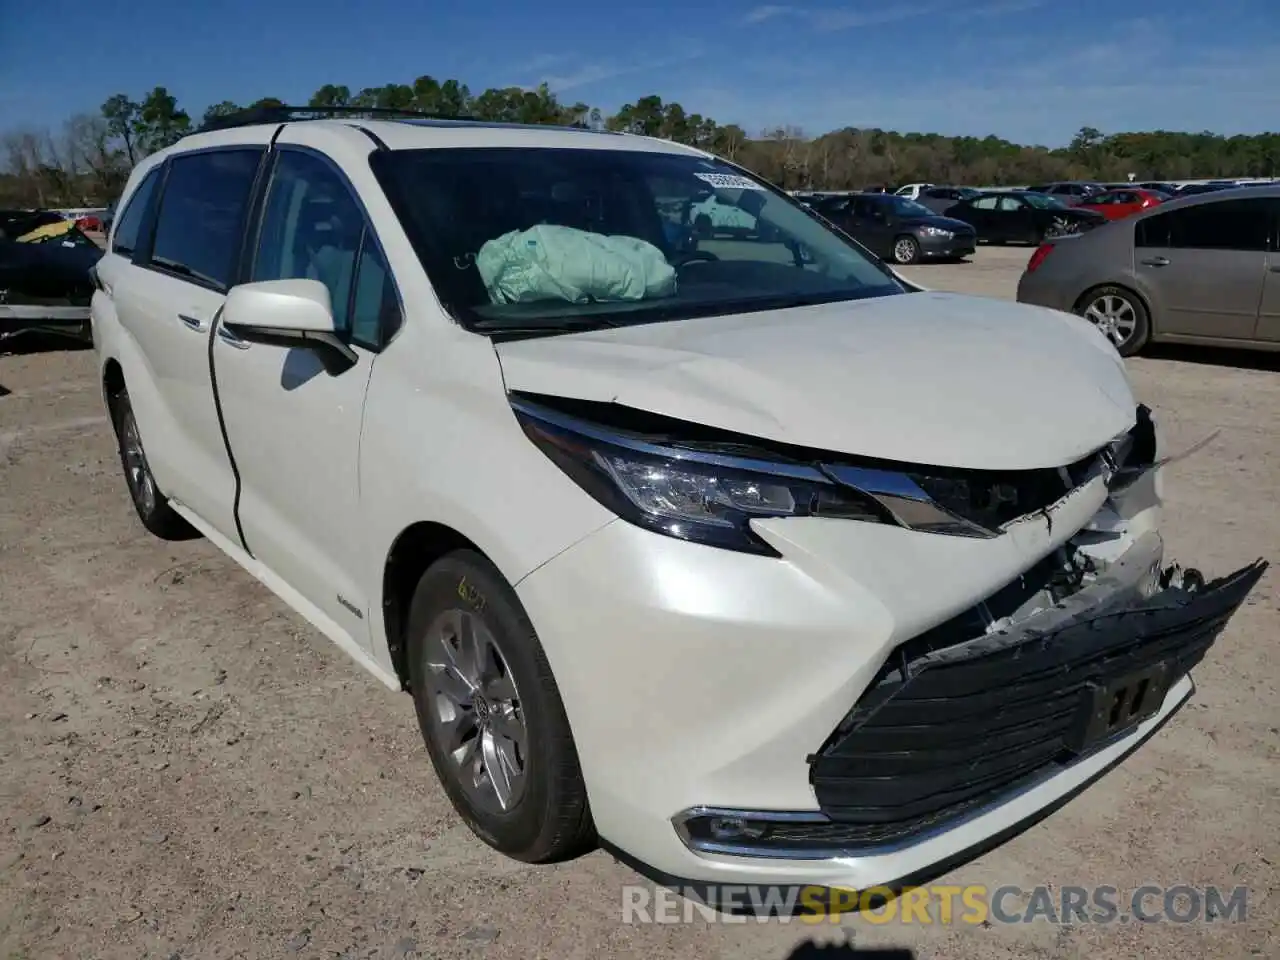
740	556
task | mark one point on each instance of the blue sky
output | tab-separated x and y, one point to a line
1029	70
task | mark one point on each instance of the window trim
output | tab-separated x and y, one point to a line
253	239
145	260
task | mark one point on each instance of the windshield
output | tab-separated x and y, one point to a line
1043	201
556	239
910	208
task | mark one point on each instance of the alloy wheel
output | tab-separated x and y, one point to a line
1114	315
141	483
477	718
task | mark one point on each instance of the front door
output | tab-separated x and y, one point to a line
871	225
1204	267
292	426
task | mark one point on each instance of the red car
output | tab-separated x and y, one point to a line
1118	204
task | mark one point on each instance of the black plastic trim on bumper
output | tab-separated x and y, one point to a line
705	891
973	723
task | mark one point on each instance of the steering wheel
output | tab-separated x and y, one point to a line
695	256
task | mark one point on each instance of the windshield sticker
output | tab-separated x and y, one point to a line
728	181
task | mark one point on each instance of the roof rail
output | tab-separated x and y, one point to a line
286	114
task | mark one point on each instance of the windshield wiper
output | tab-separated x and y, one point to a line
554	324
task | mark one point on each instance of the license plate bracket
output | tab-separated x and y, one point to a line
1112	707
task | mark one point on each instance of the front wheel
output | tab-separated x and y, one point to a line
906	250
1120	315
491	714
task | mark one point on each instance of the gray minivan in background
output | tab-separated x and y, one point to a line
1200	270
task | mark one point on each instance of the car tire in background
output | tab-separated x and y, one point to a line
149	501
906	250
1120	314
491	714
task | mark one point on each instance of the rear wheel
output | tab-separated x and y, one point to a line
1120	314
491	714
149	502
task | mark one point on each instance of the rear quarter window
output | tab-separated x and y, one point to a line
128	225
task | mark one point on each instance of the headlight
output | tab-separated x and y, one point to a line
709	498
936	232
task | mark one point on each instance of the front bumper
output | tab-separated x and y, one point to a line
940	248
699	679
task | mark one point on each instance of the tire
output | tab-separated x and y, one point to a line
149	501
906	250
545	816
1120	314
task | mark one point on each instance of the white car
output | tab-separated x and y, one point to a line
912	190
753	563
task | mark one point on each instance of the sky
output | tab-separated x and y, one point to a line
1032	71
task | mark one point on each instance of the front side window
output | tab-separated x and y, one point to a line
1043	201
125	238
202	214
902	207
567	238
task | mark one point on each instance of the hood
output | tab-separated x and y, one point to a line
932	378
941	222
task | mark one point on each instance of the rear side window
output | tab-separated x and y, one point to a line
125	238
985	203
202	214
1225	225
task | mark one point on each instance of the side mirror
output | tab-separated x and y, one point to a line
288	313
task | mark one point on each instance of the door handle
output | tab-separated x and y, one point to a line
1156	262
232	339
192	323
1275	268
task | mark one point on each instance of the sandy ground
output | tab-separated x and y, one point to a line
188	770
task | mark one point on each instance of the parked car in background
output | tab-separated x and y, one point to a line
939	198
1118	204
1197	189
1070	192
1022	216
895	228
911	191
1160	186
45	279
1205	269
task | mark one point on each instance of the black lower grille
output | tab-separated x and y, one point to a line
973	723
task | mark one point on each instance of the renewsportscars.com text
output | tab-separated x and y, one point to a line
938	904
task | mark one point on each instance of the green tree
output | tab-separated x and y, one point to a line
160	121
331	96
122	116
223	109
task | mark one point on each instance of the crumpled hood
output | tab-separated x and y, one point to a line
933	378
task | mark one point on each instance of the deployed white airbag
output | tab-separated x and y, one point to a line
551	262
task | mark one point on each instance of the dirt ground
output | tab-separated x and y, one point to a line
187	769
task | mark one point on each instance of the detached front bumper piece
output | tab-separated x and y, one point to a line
948	733
20	318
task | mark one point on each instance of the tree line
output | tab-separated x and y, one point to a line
86	161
